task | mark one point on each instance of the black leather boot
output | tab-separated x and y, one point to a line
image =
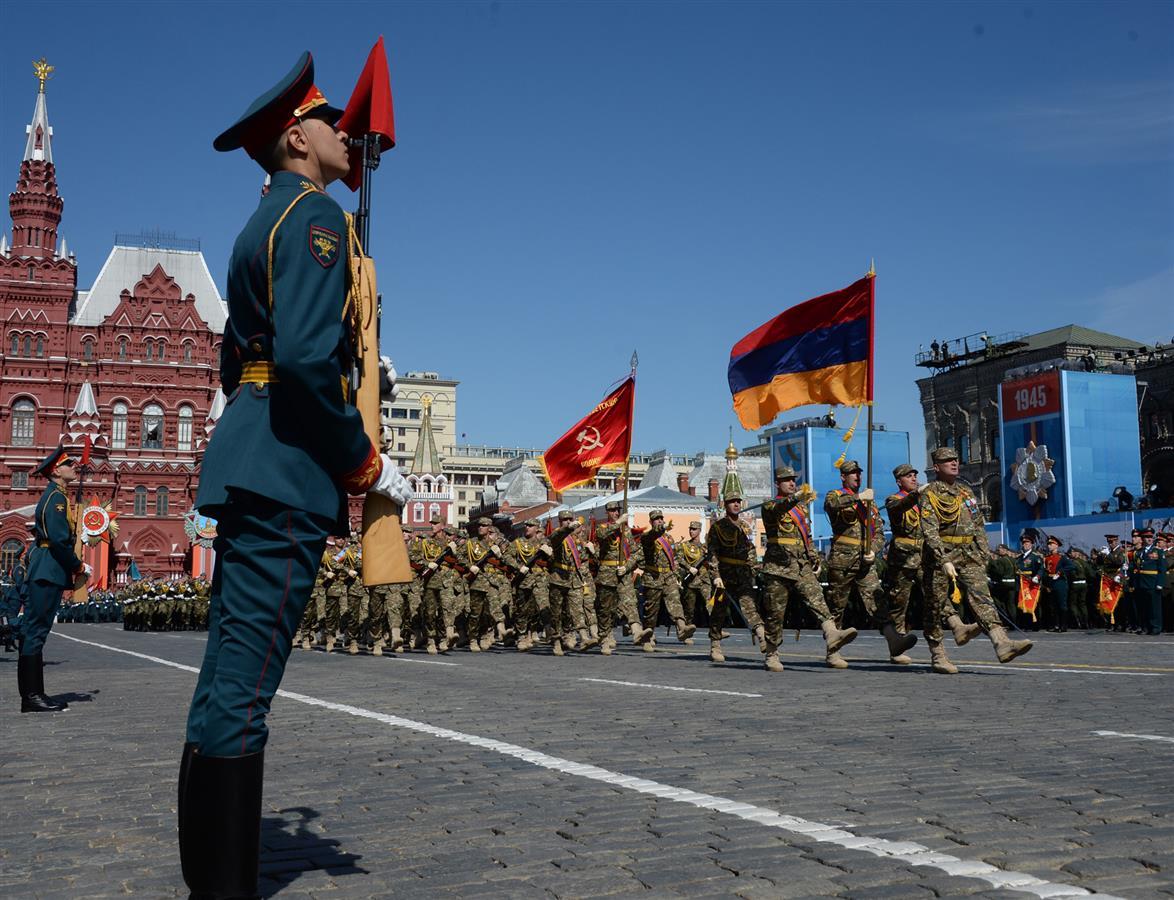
185	762
30	682
40	686
220	825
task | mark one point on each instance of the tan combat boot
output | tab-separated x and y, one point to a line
759	634
640	634
487	640
715	652
500	631
377	648
474	647
558	647
898	643
650	645
772	663
685	630
835	661
431	647
397	639
352	647
588	639
963	632
329	644
450	635
307	643
938	661
725	635
837	638
1006	648
605	649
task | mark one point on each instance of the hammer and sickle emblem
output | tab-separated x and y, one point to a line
588	440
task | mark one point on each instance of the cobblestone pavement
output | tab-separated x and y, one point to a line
519	775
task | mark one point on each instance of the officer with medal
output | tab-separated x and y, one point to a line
53	568
287	451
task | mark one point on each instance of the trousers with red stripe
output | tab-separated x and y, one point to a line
267	556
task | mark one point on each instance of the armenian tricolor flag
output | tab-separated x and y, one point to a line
817	352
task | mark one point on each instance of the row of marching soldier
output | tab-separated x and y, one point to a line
570	590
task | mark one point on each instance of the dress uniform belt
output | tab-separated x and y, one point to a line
730	561
262	371
907	542
1081	581
610	562
1147	571
957	539
659	570
786	541
42	543
563	568
844	539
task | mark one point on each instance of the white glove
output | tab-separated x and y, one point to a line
866	494
950	570
692	570
476	570
391	483
432	566
718	583
547	549
869	557
87	569
525	570
388	389
351	572
638	572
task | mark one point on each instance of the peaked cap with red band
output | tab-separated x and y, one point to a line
290	100
49	464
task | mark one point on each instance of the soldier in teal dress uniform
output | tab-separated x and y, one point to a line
287	451
52	568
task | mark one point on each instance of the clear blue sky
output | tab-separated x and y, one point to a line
575	180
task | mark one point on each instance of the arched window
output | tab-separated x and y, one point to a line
28	345
994	443
162	496
24	419
15	344
148	349
434	510
122	348
87	349
963	446
162	347
140	501
40	346
151	437
118	426
418	512
185	428
10	552
187	351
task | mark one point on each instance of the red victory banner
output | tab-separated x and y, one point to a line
602	437
1028	596
369	111
1109	597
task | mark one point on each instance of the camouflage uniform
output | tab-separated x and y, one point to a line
955	533
428	555
532	601
729	543
661	582
613	580
569	585
857	532
904	561
484	613
696	589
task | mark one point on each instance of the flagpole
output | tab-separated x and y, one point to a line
631	417
871	353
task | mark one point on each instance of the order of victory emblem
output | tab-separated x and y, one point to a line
98	519
200	529
1031	474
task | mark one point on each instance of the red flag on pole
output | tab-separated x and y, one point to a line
86	450
369	111
603	437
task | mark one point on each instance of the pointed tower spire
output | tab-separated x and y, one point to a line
34	205
84	420
732	486
426	460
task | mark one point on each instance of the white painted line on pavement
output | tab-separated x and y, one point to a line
907	852
429	662
1140	737
1023	670
669	687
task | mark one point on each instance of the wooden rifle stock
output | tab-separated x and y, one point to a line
385	558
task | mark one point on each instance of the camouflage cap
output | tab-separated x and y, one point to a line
531	523
904	469
784	472
613	506
848	466
943	454
655	514
564	515
485	520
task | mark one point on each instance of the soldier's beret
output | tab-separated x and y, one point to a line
848	466
1052	539
564	515
50	462
485	520
293	98
784	472
943	454
614	506
435	519
904	469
